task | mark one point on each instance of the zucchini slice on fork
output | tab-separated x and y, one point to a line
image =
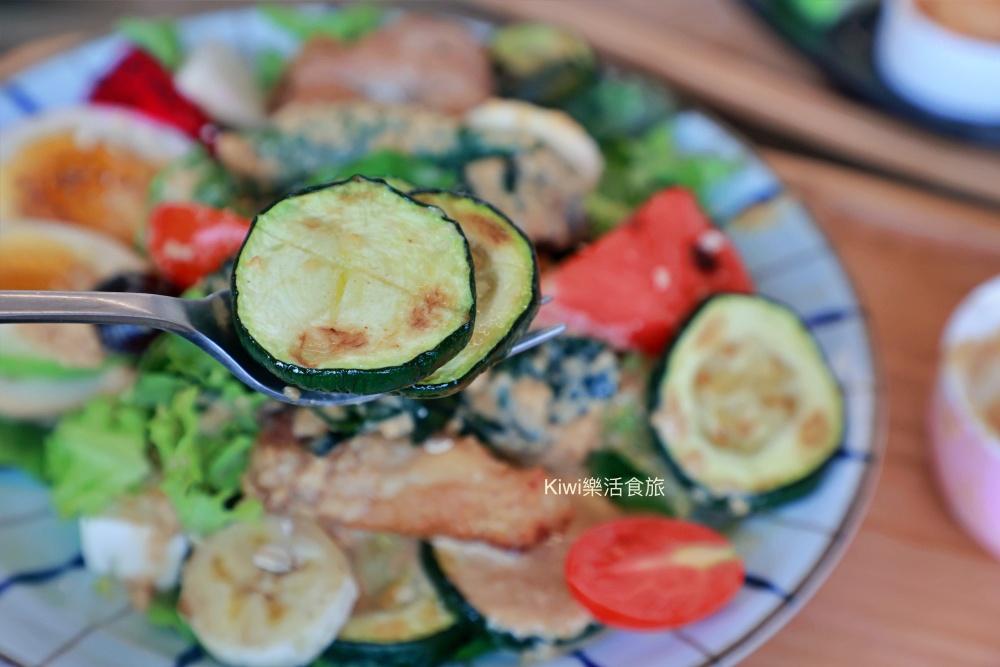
353	287
507	293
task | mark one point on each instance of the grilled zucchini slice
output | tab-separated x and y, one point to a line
516	601
745	408
353	287
400	619
507	296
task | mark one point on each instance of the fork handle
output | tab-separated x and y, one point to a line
147	310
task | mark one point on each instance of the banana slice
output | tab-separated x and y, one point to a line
553	128
273	594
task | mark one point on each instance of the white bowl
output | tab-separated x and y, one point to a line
945	72
966	450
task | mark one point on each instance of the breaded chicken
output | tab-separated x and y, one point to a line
447	487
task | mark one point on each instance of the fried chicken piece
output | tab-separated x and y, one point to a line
448	487
419	59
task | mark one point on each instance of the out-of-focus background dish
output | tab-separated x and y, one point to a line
913	589
878	51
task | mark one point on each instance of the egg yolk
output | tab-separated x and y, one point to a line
98	185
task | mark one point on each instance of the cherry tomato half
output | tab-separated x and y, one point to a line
652	573
187	241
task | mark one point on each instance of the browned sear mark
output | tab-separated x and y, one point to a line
488	230
815	430
427	313
317	345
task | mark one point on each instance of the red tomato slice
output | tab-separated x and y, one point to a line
651	573
187	241
634	286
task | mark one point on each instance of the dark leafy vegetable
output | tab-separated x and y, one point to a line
393	416
541	63
617	107
607	465
162	612
21	446
520	404
635	168
404	172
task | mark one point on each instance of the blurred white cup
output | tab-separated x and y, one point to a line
953	69
965	415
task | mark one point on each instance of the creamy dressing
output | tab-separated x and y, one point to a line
524	594
978	365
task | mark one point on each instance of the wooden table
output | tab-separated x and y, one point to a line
912	590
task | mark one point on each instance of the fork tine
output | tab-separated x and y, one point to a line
536	338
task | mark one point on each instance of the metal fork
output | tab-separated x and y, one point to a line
207	322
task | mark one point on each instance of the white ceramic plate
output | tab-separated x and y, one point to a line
53	615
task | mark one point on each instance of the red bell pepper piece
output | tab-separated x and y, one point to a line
634	286
141	83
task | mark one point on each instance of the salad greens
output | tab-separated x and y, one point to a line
617	106
20	447
97	455
404	172
157	37
186	427
347	24
636	167
194	176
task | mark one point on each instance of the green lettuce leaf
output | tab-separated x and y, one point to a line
162	612
186	426
635	168
620	107
268	68
96	455
202	428
404	172
347	24
157	37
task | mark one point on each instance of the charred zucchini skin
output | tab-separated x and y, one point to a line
500	350
351	380
459	606
723	508
428	651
